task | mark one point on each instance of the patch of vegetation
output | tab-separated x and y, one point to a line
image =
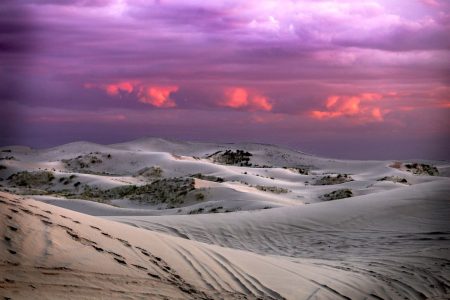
230	157
272	189
422	169
262	166
150	172
302	171
67	180
331	180
216	210
31	179
2	167
169	191
83	162
207	177
394	179
338	194
197	211
416	168
7	158
199	197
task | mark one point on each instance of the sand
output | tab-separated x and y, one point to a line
391	240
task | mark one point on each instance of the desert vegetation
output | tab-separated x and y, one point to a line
394	179
67	180
7	157
416	168
31	179
207	177
272	189
338	194
230	157
422	169
302	170
87	163
331	180
150	172
169	191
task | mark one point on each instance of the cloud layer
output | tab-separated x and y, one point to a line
330	70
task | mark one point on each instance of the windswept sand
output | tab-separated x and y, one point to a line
53	252
391	240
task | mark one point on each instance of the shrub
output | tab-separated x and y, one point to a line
207	177
303	171
272	189
422	169
229	157
331	180
31	179
338	194
199	197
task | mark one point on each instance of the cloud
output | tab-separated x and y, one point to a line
247	60
261	103
158	96
236	98
242	98
362	108
114	89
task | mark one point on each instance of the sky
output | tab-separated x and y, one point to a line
362	79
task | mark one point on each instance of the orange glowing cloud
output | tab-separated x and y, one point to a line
261	103
158	96
362	107
238	97
114	88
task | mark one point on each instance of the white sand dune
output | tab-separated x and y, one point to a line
391	240
53	252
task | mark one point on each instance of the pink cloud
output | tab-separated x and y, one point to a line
261	103
236	98
363	108
158	96
115	88
242	98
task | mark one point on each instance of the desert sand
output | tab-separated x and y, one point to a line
158	219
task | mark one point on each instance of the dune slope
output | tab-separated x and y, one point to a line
48	251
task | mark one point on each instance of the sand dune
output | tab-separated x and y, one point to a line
157	219
50	251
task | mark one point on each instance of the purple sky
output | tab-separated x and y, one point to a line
351	78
